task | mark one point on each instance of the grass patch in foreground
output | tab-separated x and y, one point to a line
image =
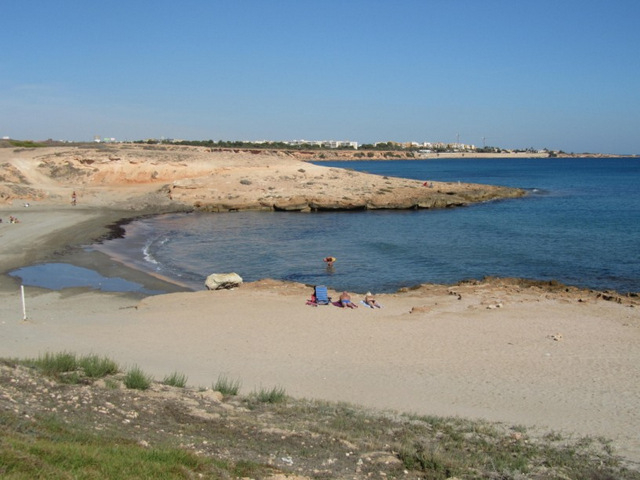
67	367
54	364
98	430
136	379
175	380
53	450
273	395
226	386
94	366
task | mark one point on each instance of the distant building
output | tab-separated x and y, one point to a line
324	143
98	139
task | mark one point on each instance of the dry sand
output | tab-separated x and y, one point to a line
522	354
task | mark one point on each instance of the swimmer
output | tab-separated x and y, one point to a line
329	261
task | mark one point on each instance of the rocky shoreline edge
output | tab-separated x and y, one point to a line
181	178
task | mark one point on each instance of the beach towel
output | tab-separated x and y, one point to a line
367	305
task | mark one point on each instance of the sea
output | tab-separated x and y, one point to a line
579	225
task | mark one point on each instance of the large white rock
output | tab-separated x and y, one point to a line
219	281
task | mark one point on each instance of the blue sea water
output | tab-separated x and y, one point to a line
579	225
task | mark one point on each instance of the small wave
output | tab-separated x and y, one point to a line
537	191
146	251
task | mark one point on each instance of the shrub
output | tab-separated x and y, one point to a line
53	365
175	380
275	395
226	386
136	379
98	367
26	144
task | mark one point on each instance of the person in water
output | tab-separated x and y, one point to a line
345	301
329	261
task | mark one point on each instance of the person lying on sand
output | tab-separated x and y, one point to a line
371	301
345	301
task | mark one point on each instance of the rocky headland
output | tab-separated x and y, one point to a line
169	178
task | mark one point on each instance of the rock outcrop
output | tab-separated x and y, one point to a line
222	281
197	178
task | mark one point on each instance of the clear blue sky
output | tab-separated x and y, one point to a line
558	74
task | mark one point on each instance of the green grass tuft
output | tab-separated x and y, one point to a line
60	451
175	380
226	386
54	364
136	379
274	395
98	367
69	368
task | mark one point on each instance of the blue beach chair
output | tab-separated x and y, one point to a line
322	295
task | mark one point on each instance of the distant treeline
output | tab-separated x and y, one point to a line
381	146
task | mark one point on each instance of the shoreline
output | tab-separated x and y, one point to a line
106	225
70	241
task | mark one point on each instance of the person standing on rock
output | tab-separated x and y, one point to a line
74	198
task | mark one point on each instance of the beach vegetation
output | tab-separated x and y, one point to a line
54	429
71	368
51	449
227	386
95	366
27	144
54	364
136	379
175	379
271	395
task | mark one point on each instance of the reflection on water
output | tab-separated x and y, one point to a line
56	276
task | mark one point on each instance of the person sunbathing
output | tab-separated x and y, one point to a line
345	301
371	301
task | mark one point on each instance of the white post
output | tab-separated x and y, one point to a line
24	306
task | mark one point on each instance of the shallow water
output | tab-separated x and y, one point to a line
579	225
56	276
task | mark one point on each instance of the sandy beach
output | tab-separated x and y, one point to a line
556	358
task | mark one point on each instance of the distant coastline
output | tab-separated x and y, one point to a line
315	154
351	155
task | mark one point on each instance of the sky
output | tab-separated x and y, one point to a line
556	74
